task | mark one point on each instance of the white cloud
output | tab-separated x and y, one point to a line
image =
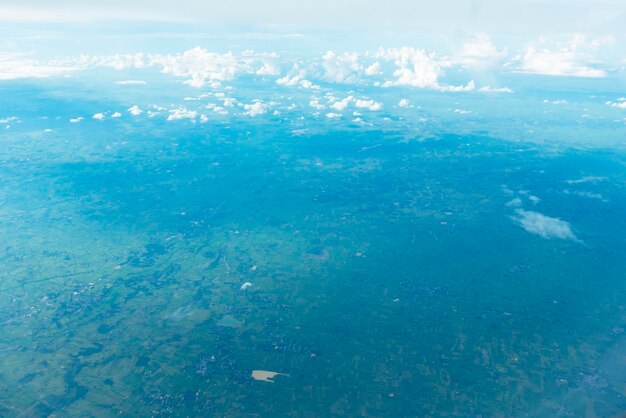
332	115
9	119
98	116
467	87
229	102
344	68
308	85
182	113
587	179
269	68
368	104
544	226
76	120
479	51
515	202
566	60
373	69
289	80
489	89
620	103
342	104
404	103
135	110
255	109
201	66
116	115
416	68
130	82
19	65
315	103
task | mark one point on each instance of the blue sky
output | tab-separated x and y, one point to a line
45	29
519	16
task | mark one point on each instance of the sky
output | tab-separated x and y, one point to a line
413	43
605	17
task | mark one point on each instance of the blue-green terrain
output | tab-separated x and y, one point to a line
456	254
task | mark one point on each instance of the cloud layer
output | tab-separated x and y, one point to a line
544	226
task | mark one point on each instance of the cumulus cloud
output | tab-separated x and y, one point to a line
182	113
135	110
417	68
255	109
201	66
76	120
333	115
479	51
342	104
566	60
368	104
544	226
9	119
344	68
620	103
315	103
404	103
116	115
98	116
489	89
19	65
373	69
269	68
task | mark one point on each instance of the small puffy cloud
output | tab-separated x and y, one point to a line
544	226
463	88
315	103
565	60
620	103
342	104
344	68
373	69
269	68
135	110
308	85
116	115
515	202
130	82
555	102
182	113
332	115
488	89
404	103
76	120
9	119
255	109
368	104
98	116
229	102
289	80
293	78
